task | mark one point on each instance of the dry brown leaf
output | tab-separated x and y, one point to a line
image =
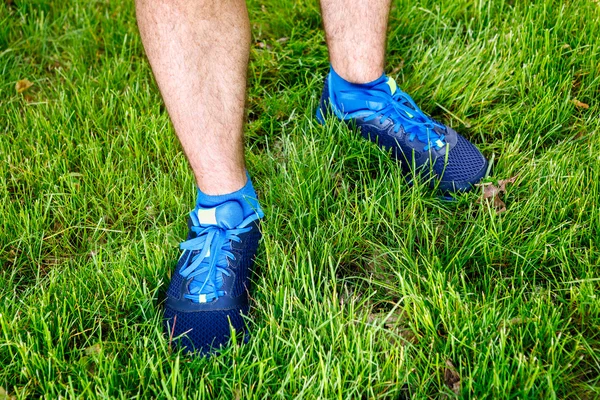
4	395
397	68
22	85
95	349
493	192
451	377
520	321
580	104
393	324
388	320
263	45
516	321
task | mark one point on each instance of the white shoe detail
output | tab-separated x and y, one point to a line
207	216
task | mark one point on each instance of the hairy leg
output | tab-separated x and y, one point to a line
356	37
356	90
199	50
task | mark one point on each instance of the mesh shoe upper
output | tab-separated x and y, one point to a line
208	293
386	115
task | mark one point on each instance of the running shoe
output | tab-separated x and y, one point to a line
208	294
386	115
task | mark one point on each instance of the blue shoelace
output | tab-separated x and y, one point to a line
403	111
209	264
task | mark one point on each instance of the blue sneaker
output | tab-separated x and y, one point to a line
208	293
386	115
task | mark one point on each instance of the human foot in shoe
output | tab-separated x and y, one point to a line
386	115
208	293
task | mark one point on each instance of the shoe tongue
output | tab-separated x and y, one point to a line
385	84
227	215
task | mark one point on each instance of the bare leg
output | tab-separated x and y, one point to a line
356	37
199	50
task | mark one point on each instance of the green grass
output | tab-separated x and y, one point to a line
366	287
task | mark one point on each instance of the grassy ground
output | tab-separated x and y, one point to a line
366	287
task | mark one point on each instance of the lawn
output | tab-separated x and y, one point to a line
366	286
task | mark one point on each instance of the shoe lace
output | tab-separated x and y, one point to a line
403	111
209	253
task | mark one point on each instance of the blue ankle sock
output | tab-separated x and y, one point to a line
348	97
340	84
246	196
